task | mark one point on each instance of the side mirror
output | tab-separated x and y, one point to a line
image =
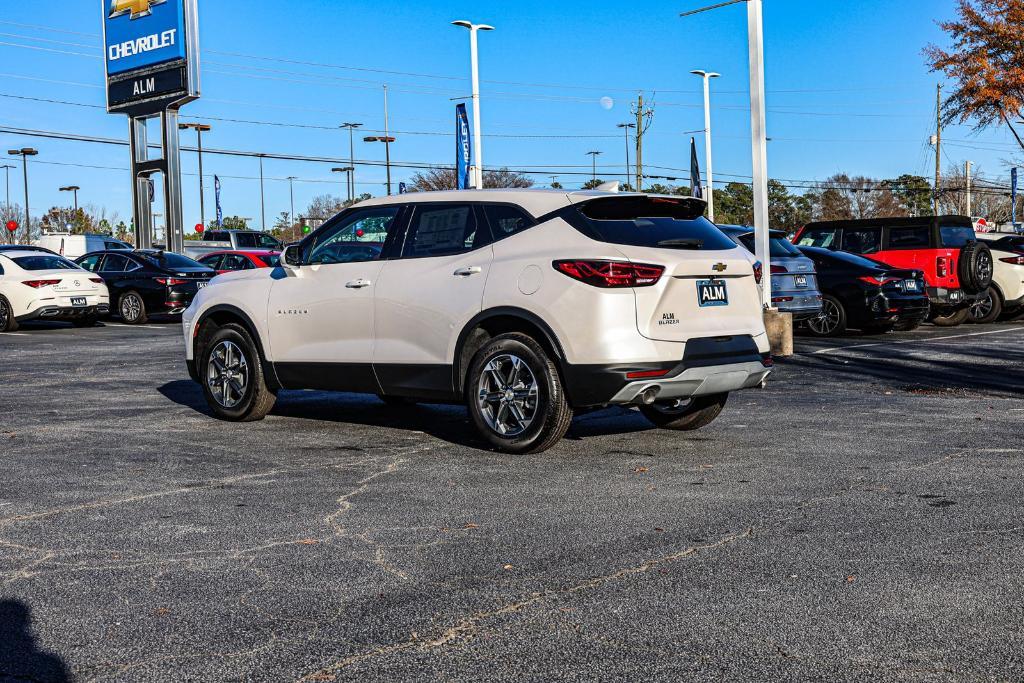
292	256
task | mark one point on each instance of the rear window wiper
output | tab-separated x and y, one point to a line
682	243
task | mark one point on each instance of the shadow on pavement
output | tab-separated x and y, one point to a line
20	658
446	422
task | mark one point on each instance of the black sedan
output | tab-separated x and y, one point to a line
145	282
865	294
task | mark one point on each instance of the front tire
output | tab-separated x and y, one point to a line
986	309
132	309
831	322
686	415
515	395
7	321
232	376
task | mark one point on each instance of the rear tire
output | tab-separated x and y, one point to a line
515	395
132	309
831	322
976	267
7	321
232	378
952	320
987	309
698	412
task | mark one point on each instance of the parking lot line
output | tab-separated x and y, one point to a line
142	327
822	352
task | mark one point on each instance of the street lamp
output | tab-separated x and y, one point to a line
351	158
75	189
626	127
25	153
593	157
387	140
291	190
710	194
347	170
199	128
477	133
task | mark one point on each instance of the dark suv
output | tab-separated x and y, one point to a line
956	266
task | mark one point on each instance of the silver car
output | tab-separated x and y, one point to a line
794	283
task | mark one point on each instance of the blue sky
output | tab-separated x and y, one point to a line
848	90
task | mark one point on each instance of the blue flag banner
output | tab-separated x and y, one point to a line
696	186
1013	198
463	151
402	188
216	188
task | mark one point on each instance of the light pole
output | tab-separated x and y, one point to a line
626	127
387	140
7	205
593	156
75	189
291	190
478	153
199	128
351	158
263	202
710	194
347	170
25	153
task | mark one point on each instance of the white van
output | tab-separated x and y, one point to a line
72	246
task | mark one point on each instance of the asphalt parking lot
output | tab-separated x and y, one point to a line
860	519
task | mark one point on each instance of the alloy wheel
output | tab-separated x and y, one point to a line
507	395
982	307
828	320
985	267
131	308
227	374
5	314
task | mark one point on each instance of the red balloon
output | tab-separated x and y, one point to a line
200	228
12	226
360	233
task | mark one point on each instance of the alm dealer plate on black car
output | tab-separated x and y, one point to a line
78	301
712	293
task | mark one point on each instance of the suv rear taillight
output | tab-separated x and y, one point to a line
97	280
878	281
1013	260
171	281
36	284
611	274
942	266
779	270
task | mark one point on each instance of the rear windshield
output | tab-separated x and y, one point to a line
1008	243
956	236
172	261
255	240
45	262
851	259
651	222
778	247
273	261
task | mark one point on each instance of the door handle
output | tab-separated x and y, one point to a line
469	270
358	284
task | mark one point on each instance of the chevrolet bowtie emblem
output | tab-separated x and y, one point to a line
138	8
719	267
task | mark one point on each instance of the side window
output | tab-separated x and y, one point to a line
132	265
235	262
211	262
507	220
246	240
862	240
268	241
91	263
358	237
826	238
115	263
914	237
437	230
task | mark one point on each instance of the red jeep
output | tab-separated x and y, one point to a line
957	267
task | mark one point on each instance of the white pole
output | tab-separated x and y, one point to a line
707	147
970	213
759	139
478	153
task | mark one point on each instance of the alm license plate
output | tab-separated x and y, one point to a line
712	293
910	285
200	285
801	280
79	302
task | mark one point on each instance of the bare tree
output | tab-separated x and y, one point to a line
437	179
987	200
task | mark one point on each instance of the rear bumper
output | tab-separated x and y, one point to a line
802	305
945	299
711	365
64	312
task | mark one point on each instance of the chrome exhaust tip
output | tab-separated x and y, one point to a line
649	395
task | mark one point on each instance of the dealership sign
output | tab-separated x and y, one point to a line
151	54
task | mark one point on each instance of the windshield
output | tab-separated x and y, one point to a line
45	262
169	260
649	222
956	236
272	260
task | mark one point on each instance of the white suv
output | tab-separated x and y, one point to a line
523	304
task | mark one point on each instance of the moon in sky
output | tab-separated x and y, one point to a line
607	102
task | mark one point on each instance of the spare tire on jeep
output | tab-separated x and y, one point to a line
976	266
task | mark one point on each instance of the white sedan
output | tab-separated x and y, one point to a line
1006	295
36	285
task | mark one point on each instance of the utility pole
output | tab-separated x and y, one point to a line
626	127
970	213
263	202
291	190
593	157
938	144
639	143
